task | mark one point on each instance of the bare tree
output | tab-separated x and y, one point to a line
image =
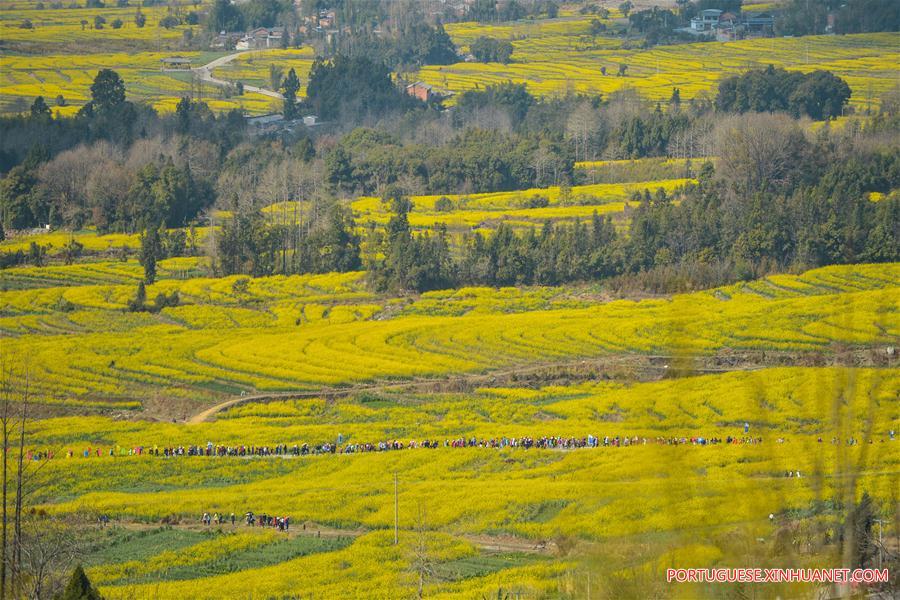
422	563
17	518
581	127
6	427
49	547
758	152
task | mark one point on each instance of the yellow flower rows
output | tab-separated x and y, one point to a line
63	25
300	352
71	75
557	62
485	211
98	273
370	568
91	241
199	553
785	401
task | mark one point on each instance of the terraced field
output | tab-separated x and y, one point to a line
515	208
293	333
473	363
559	55
71	75
635	509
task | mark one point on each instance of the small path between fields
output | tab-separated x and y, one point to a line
641	366
486	542
205	74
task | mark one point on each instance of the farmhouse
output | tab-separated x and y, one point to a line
707	19
261	37
420	90
726	26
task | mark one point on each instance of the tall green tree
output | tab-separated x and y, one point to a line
79	587
151	252
15	194
39	109
107	91
290	86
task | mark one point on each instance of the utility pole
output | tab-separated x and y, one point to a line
396	511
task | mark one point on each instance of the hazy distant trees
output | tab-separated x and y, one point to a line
353	85
800	17
224	16
487	49
249	244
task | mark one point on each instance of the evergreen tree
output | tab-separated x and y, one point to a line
290	86
39	109
137	303
151	251
107	91
79	588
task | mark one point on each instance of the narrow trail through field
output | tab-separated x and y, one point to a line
639	366
485	542
449	383
205	74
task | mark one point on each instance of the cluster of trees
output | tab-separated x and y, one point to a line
799	17
407	46
487	11
96	185
115	166
250	244
369	161
224	15
818	95
777	201
355	87
657	26
487	50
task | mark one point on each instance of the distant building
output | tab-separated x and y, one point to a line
265	120
420	90
175	63
261	38
759	22
726	26
707	19
310	120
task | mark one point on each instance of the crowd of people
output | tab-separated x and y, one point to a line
250	518
286	450
345	447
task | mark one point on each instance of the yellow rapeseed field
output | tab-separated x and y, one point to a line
290	343
556	57
689	500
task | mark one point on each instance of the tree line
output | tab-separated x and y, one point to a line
733	224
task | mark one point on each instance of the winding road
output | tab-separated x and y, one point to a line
205	74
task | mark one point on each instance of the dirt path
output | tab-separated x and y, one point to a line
448	383
638	366
485	542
